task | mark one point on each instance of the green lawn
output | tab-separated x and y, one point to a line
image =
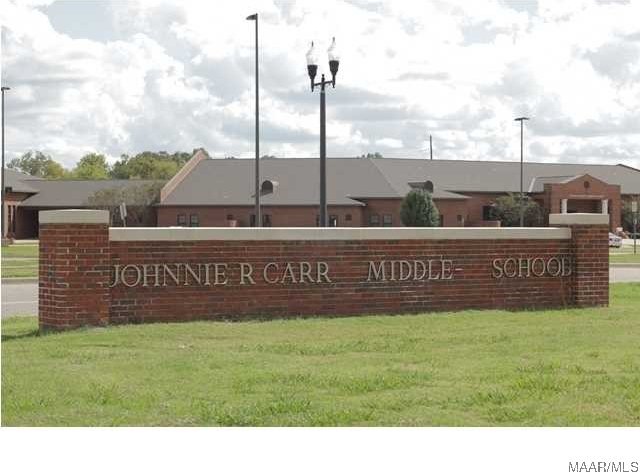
573	367
20	260
624	254
20	250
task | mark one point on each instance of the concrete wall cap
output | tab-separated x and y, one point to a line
331	234
73	217
578	219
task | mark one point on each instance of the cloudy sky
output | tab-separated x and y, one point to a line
126	76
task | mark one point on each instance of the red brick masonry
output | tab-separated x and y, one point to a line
87	279
73	275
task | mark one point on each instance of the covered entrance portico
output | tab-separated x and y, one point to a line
584	194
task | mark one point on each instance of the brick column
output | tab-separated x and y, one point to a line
74	269
590	247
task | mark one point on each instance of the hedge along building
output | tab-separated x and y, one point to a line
369	192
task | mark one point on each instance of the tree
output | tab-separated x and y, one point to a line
120	169
507	210
419	209
375	155
150	165
138	198
38	164
92	167
53	170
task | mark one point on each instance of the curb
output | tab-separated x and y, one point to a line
18	280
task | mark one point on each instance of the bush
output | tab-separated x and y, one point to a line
507	210
418	209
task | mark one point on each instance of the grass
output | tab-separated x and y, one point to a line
624	255
554	367
20	250
20	260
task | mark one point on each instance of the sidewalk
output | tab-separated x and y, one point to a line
18	280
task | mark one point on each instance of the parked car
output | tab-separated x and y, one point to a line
614	241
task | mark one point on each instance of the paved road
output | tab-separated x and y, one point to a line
22	298
624	274
19	299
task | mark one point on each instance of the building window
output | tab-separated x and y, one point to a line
182	219
317	220
229	217
194	220
441	220
387	220
252	220
487	213
347	217
333	221
460	220
266	221
374	219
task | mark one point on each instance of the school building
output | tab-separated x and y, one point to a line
360	192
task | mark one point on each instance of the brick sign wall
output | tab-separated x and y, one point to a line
91	275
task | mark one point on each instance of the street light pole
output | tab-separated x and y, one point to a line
323	156
634	212
3	89
312	69
522	119
254	17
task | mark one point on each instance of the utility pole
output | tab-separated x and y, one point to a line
430	148
4	89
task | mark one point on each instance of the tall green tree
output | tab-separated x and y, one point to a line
419	209
92	167
38	164
507	210
150	165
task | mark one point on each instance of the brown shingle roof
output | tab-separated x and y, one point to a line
71	193
231	181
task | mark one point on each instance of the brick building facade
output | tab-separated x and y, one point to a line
369	192
361	192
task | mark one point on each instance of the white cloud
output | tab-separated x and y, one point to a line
179	75
389	143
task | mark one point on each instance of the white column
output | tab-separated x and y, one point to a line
564	205
605	207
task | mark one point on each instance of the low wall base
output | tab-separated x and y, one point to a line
93	275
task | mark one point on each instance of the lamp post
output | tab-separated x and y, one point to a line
521	119
254	17
3	89
312	69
